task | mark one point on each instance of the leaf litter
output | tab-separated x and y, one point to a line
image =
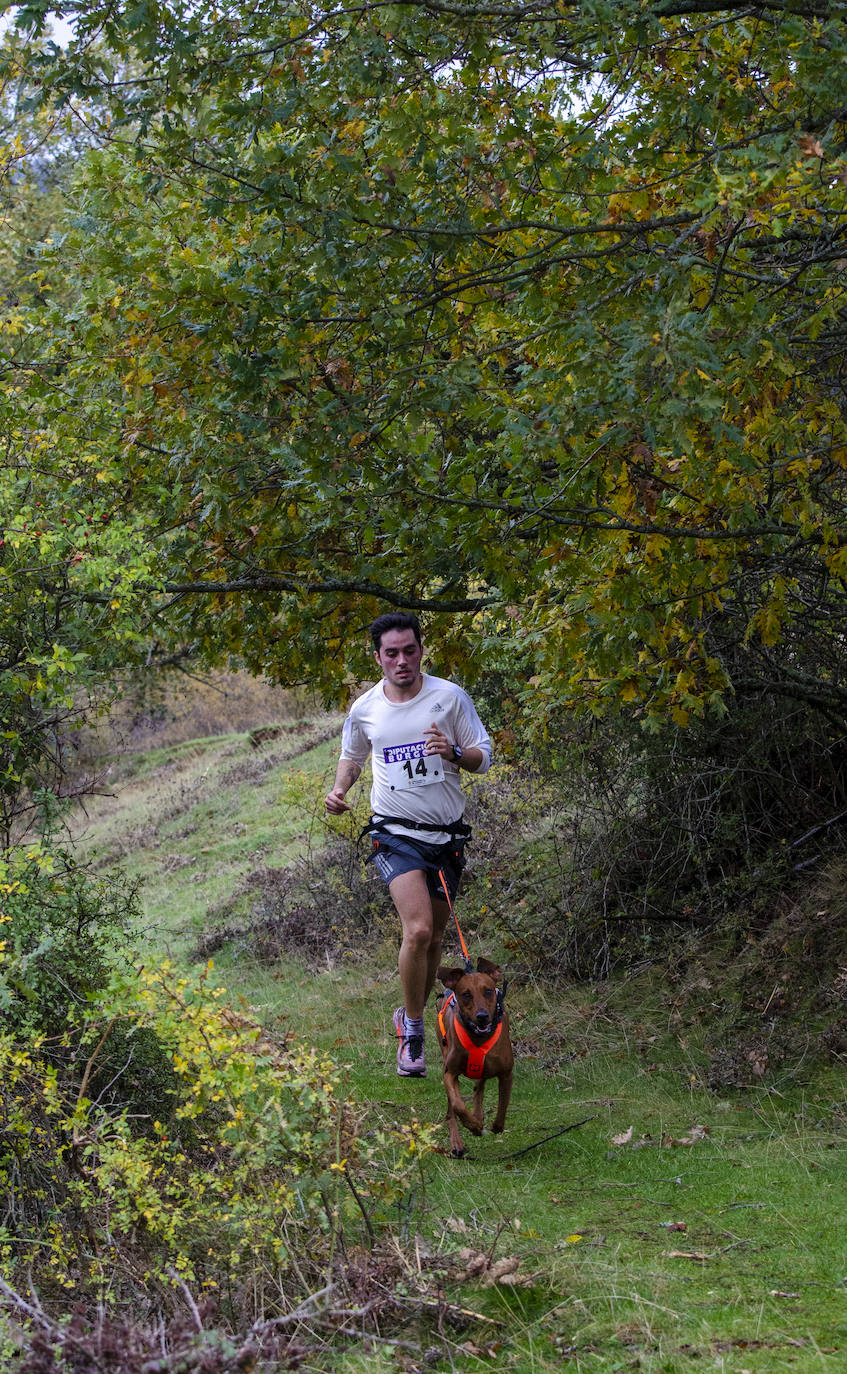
694	1136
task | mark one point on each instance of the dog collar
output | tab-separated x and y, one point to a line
476	1052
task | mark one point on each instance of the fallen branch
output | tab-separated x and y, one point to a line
442	1305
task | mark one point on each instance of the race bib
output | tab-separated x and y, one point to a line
409	765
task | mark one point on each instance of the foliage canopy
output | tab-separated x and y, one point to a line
526	315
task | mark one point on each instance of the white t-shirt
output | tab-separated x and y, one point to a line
406	780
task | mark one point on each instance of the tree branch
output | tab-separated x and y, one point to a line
266	583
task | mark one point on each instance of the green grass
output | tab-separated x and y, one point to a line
192	821
756	1280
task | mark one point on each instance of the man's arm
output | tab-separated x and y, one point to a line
345	775
471	759
438	743
466	731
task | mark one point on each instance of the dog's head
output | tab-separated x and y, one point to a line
477	999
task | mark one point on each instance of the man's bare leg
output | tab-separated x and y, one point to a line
423	921
440	913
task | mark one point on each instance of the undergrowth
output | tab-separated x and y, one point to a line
167	1148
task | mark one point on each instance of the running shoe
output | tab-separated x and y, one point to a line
410	1051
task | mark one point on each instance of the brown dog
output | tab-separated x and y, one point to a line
473	1027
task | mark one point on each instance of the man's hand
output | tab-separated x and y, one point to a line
437	742
345	775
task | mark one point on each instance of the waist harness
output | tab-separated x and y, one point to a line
476	1053
457	830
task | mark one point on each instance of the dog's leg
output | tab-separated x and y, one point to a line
456	1104
504	1084
457	1145
478	1114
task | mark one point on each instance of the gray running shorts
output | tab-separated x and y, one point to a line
395	854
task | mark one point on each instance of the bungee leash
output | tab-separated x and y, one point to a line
465	955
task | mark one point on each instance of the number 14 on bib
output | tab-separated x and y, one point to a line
409	765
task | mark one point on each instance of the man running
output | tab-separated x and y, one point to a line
420	732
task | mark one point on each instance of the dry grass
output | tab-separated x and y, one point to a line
193	818
165	710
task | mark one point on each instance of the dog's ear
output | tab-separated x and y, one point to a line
486	966
450	976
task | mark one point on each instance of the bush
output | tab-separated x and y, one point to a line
242	1184
62	931
627	841
323	906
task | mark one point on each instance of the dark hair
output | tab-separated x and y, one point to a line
394	620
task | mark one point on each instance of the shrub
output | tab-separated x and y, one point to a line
62	930
242	1184
625	841
323	906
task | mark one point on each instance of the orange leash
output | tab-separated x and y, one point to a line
467	957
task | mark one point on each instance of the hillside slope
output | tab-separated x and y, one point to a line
650	1207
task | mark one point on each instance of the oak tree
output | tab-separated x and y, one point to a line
526	315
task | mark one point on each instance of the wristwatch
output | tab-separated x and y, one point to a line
458	753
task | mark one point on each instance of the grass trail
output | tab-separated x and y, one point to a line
676	1249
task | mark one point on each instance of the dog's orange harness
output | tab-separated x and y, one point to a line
476	1053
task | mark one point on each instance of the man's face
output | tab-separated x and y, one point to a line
399	657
